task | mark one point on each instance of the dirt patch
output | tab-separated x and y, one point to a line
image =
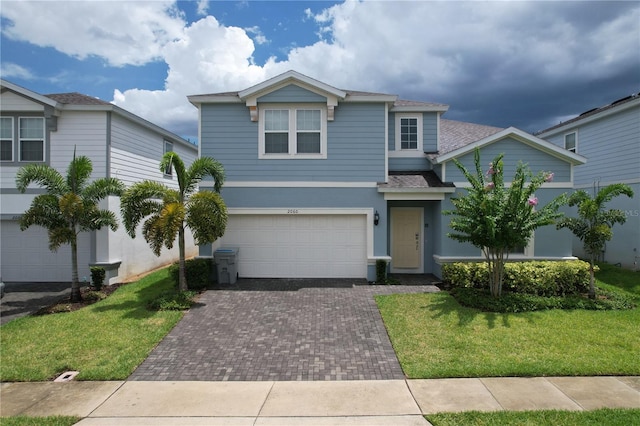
89	297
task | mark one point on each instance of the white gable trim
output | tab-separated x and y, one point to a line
521	136
290	77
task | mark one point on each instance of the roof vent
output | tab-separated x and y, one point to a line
588	112
626	98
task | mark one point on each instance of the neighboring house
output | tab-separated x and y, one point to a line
322	182
46	129
609	137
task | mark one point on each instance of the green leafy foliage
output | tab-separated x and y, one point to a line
166	212
542	278
197	272
98	274
173	301
593	224
69	207
381	271
522	302
498	219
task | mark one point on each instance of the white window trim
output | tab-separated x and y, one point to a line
13	139
564	141
292	154
44	141
399	152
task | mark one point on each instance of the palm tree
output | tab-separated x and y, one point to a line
593	226
69	207
170	211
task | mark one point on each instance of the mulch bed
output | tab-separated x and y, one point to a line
89	297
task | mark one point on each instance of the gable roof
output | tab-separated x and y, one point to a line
593	114
458	134
75	101
465	146
288	78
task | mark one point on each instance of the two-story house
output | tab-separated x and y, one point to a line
46	129
609	137
322	182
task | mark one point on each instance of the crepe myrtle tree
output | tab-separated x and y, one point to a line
69	206
497	219
593	224
169	212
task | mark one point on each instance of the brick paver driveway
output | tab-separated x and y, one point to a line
280	330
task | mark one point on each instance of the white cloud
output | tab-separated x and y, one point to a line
203	7
120	32
11	70
480	57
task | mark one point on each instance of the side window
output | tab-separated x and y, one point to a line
409	133
308	131
168	147
31	135
6	139
571	142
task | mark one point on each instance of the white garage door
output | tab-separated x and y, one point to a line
25	256
299	246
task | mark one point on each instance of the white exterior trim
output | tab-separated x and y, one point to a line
607	183
440	260
386	143
561	185
293	184
287	78
413	196
418	151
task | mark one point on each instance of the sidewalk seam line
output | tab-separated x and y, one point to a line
273	383
491	393
106	399
562	392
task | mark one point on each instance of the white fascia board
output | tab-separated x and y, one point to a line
285	184
440	260
371	98
198	100
418	108
289	77
521	136
414	196
589	119
29	94
556	185
438	190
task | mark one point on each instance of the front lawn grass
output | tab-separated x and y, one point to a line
435	337
104	341
40	421
606	416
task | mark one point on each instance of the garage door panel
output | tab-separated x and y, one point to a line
299	246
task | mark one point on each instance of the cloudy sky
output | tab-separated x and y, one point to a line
523	64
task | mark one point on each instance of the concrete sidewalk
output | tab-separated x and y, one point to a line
375	402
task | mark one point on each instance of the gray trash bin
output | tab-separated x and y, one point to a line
227	264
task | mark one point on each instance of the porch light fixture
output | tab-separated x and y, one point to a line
376	218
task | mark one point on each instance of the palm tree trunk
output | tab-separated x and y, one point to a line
592	280
75	284
182	278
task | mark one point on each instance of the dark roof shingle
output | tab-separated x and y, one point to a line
76	98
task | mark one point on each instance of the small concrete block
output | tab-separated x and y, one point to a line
167	421
178	399
632	381
598	392
66	376
414	420
452	395
336	399
528	393
50	399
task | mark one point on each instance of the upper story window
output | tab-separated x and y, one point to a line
168	147
31	138
571	142
408	134
292	132
6	138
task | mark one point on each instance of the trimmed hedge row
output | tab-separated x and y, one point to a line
541	278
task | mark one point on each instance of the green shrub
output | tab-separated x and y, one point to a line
94	296
542	278
381	271
197	272
97	277
173	301
521	302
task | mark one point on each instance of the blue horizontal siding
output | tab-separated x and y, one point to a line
292	94
514	152
397	164
429	131
355	145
